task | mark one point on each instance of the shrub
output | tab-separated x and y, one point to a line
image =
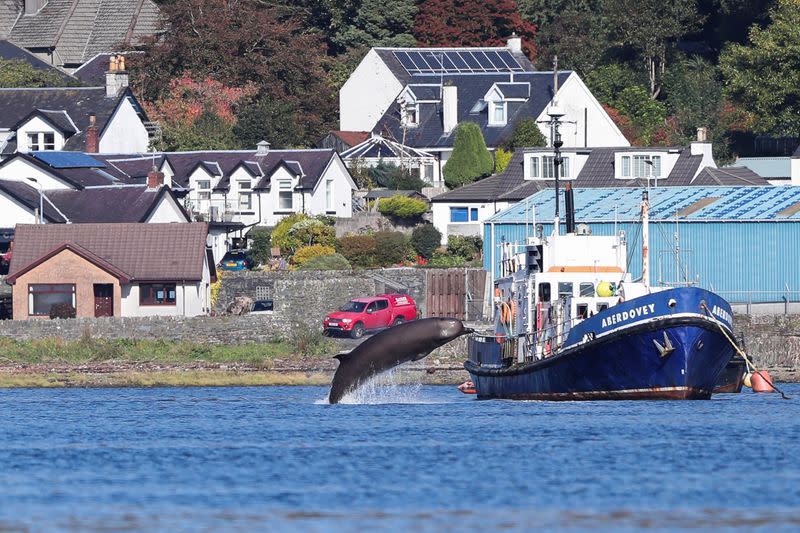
62	311
309	341
260	244
327	262
526	135
425	239
306	253
501	160
394	177
358	249
467	247
299	230
470	159
391	247
444	260
402	206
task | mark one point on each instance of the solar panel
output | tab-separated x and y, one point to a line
68	159
457	61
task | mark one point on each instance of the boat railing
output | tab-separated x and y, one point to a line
527	347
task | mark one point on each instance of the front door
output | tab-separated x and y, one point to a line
103	299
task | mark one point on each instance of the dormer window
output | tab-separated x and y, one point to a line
41	141
542	167
410	116
497	113
633	166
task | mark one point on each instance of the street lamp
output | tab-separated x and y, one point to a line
555	113
41	199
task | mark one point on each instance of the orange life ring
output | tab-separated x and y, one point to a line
500	337
505	313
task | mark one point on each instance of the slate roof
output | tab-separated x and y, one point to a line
472	88
77	102
80	29
93	71
9	12
515	90
712	204
310	164
597	172
145	252
28	196
77	177
11	51
796	152
403	75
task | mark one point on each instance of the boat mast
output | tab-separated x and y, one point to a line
645	238
555	113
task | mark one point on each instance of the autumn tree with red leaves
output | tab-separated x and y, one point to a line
472	23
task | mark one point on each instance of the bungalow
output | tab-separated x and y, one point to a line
105	119
117	270
463	210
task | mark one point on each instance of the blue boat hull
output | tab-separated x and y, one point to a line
623	365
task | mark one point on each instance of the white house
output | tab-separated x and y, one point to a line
463	210
111	270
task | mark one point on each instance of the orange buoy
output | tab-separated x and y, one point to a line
761	381
468	387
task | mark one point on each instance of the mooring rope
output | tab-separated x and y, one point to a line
747	360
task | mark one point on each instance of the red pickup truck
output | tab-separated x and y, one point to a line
370	314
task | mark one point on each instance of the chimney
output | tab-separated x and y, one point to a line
262	148
702	146
155	179
33	6
514	44
116	77
702	135
92	135
449	108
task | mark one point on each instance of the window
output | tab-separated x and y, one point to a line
285	195
497	114
372	307
410	115
544	292
463	214
41	141
329	195
586	289
157	294
203	189
473	214
602	307
245	196
42	297
640	166
382	304
543	167
564	289
427	172
583	310
204	195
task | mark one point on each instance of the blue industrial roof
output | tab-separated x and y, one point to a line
68	159
768	167
702	204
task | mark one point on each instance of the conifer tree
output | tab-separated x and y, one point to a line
470	159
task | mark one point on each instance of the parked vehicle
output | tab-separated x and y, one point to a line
236	260
370	314
262	307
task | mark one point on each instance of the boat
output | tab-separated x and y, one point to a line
572	324
731	379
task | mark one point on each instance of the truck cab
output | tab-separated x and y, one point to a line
362	315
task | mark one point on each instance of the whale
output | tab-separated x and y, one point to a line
409	341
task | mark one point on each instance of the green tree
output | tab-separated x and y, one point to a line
651	28
260	244
501	160
208	132
18	73
298	230
470	159
379	23
526	135
264	119
646	114
425	239
608	81
396	178
764	76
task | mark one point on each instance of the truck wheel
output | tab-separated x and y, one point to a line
397	321
358	331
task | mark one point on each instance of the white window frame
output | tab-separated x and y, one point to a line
495	106
284	187
329	195
36	141
541	167
631	165
410	114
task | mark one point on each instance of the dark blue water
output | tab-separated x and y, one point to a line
273	459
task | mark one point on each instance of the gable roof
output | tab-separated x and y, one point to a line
93	71
310	164
471	88
28	196
379	147
145	252
12	52
78	30
78	176
76	102
597	172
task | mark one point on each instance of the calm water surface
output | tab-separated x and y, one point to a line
423	459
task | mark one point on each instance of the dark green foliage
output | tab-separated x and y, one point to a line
526	135
467	247
393	177
402	207
265	119
327	262
470	159
19	73
358	249
645	113
608	81
209	132
425	239
391	247
62	311
260	244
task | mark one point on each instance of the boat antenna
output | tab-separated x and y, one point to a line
555	113
645	238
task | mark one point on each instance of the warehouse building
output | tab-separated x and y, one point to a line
740	242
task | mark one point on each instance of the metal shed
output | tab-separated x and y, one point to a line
741	242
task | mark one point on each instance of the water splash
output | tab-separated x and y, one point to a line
387	387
